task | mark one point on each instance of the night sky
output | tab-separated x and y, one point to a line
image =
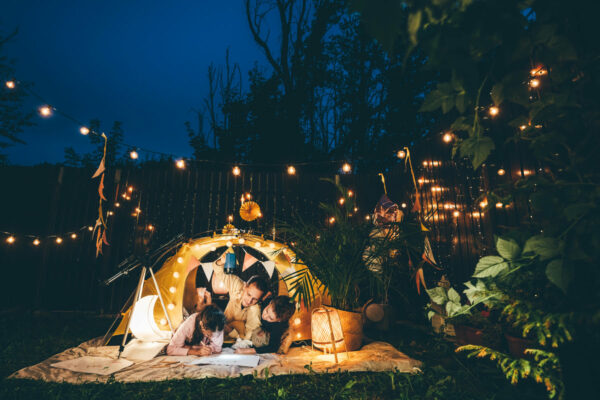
140	62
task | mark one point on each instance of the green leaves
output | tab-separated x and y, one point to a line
508	249
490	266
477	149
542	246
558	275
438	295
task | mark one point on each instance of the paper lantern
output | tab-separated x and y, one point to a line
249	211
326	331
143	325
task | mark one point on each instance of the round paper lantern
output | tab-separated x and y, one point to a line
249	211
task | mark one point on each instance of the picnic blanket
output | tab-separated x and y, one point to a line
376	356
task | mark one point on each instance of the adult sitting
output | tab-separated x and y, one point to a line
274	327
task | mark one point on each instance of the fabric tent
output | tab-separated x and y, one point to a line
176	280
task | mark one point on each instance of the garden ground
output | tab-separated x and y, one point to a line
27	338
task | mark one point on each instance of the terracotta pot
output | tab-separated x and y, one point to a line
468	335
352	326
517	345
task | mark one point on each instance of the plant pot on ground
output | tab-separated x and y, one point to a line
477	329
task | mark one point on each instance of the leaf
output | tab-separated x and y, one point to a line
432	101
414	23
490	266
453	296
497	94
460	102
430	314
508	249
452	308
476	148
558	275
545	247
437	295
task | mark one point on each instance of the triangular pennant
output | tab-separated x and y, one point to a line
269	267
249	260
208	270
99	170
428	252
101	188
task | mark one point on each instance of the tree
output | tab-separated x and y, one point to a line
12	117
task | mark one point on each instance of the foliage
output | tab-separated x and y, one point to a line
12	118
347	253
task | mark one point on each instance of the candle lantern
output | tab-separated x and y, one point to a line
326	331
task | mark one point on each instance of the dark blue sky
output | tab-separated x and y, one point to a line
140	62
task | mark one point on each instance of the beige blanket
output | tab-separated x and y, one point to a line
376	356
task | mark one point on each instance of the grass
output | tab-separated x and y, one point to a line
27	338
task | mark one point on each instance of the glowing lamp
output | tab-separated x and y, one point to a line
401	154
501	172
172	289
331	220
425	163
84	130
291	170
180	260
341	200
236	171
36	242
163	321
230	218
483	204
346	168
523	127
456	213
90	228
494	111
10	239
447	138
143	325
355	209
403	205
180	163
138	210
326	331
176	275
350	193
10	84
73	236
499	205
109	213
534	83
59	240
45	111
133	154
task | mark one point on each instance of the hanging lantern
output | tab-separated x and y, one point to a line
229	228
326	331
249	211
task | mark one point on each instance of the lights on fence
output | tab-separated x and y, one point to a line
494	111
180	163
59	240
401	154
447	138
84	130
73	236
10	84
236	171
499	205
534	83
341	201
501	172
134	155
346	168
150	227
456	213
45	111
10	240
291	170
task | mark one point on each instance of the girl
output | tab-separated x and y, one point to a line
199	335
274	324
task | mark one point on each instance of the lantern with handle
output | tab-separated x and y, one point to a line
326	331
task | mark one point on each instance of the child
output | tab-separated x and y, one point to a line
199	335
274	321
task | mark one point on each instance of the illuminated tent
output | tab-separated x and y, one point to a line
177	282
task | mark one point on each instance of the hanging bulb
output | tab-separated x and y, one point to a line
241	241
331	220
90	228
401	154
36	242
523	127
342	200
73	236
367	217
346	168
403	205
150	227
10	240
236	171
456	213
447	138
350	193
291	170
499	205
176	275
84	130
10	84
59	240
45	111
130	189
180	163
494	111
534	83
248	196
134	155
501	172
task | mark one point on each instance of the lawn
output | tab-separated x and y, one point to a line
27	338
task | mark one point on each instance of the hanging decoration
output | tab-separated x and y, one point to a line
249	211
249	260
229	228
100	226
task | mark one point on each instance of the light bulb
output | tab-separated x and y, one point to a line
341	200
172	289
236	170
117	204
501	172
367	217
45	111
180	260
163	321
403	205
248	196
499	205
523	127
73	236
534	83
84	130
456	213
401	154
257	245
425	163
297	321
230	218
494	111
213	248
10	84
346	168
10	239
180	163
447	137
150	227
176	275
228	244
483	204
331	220
272	245
36	242
171	306
59	240
241	240
90	228
291	170
130	189
298	335
350	193
133	154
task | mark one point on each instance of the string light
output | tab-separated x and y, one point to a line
355	209
534	83
59	240
171	306
230	218
45	111
138	210
84	130
180	260
456	213
367	217
10	239
236	171
297	321
133	154
90	228
229	243
401	154
36	242
447	137
501	172
176	275
331	220
241	240
499	205
150	227
494	111
257	245
248	196
425	163
130	189
483	204
350	193
109	213
271	245
346	168
10	84
341	201
180	163
291	170
73	236
523	127
172	289
403	205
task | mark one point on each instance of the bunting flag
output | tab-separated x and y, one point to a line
100	226
270	267
249	260
208	270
